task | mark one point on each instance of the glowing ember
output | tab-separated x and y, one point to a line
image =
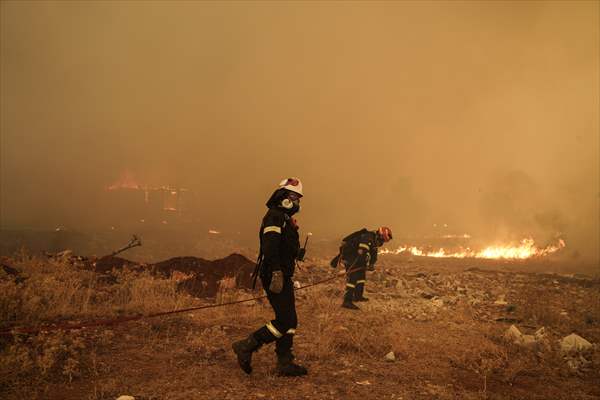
526	249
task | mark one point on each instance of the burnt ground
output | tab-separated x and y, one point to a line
443	319
196	276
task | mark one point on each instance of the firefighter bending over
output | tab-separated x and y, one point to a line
358	252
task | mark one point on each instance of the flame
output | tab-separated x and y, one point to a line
126	181
525	249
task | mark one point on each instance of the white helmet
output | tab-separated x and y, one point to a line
292	184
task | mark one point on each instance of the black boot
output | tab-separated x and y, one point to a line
287	367
244	349
350	305
348	300
358	293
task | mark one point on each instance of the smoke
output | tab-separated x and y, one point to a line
478	117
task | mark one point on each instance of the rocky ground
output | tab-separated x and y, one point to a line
434	329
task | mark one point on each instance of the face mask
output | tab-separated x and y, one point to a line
291	206
296	208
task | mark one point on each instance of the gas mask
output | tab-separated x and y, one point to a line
291	205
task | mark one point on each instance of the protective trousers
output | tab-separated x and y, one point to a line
355	283
283	327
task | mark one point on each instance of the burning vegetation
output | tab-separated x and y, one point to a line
523	250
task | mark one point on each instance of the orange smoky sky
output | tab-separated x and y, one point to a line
483	116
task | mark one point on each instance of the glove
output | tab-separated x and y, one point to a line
335	261
301	254
276	285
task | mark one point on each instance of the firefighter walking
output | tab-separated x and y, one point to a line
358	252
279	250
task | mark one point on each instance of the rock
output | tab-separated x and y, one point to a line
390	356
513	333
574	343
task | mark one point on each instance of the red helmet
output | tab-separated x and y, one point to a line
385	233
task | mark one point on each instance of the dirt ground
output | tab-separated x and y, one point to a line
444	320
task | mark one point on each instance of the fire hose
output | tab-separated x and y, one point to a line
114	321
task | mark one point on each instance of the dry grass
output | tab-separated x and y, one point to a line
449	354
55	290
51	291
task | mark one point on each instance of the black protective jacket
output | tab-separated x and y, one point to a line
279	243
359	249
